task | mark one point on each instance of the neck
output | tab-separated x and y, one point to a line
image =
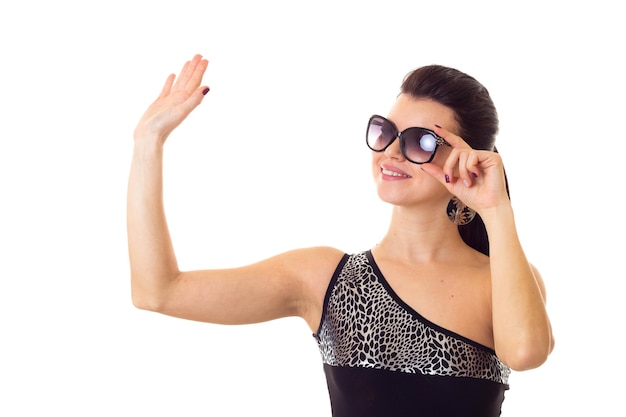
421	236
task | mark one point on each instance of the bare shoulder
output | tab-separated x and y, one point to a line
314	268
316	259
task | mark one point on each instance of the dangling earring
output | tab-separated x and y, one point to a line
459	213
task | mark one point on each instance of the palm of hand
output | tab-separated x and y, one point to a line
175	102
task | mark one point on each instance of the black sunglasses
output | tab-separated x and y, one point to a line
417	144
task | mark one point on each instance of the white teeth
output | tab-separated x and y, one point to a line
393	173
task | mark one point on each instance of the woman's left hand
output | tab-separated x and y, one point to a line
476	177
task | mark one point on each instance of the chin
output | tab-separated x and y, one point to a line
394	198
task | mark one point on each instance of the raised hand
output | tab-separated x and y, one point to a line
476	177
178	98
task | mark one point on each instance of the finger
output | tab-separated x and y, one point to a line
196	77
186	73
437	173
449	167
194	99
182	76
167	87
464	174
472	164
454	140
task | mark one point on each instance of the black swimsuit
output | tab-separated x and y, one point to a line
382	358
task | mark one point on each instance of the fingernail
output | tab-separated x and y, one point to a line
475	175
447	178
466	182
206	90
438	126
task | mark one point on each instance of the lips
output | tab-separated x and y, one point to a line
393	172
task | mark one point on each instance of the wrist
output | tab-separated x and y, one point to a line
497	215
147	145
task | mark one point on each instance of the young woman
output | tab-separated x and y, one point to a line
428	322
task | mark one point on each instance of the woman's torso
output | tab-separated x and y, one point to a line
382	356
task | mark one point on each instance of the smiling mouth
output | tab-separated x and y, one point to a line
393	173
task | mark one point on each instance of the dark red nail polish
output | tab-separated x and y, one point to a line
447	179
438	126
475	175
206	90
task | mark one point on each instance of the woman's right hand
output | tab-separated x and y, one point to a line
176	101
291	284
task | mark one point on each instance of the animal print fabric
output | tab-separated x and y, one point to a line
366	325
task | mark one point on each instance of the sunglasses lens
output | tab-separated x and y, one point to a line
379	133
419	144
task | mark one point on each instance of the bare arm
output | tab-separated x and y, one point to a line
522	332
521	327
152	260
285	285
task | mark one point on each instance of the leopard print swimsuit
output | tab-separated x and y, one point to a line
382	358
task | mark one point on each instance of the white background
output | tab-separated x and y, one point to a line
275	159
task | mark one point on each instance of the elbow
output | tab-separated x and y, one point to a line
143	303
526	360
527	355
146	299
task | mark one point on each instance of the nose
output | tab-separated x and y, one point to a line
393	150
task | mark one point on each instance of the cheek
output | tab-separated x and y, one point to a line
375	162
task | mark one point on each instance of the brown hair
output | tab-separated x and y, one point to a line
475	114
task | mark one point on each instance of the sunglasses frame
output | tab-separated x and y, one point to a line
439	141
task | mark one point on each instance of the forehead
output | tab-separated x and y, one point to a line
419	112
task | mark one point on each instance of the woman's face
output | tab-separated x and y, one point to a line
399	181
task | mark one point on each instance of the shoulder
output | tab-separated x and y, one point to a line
305	267
318	260
313	269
